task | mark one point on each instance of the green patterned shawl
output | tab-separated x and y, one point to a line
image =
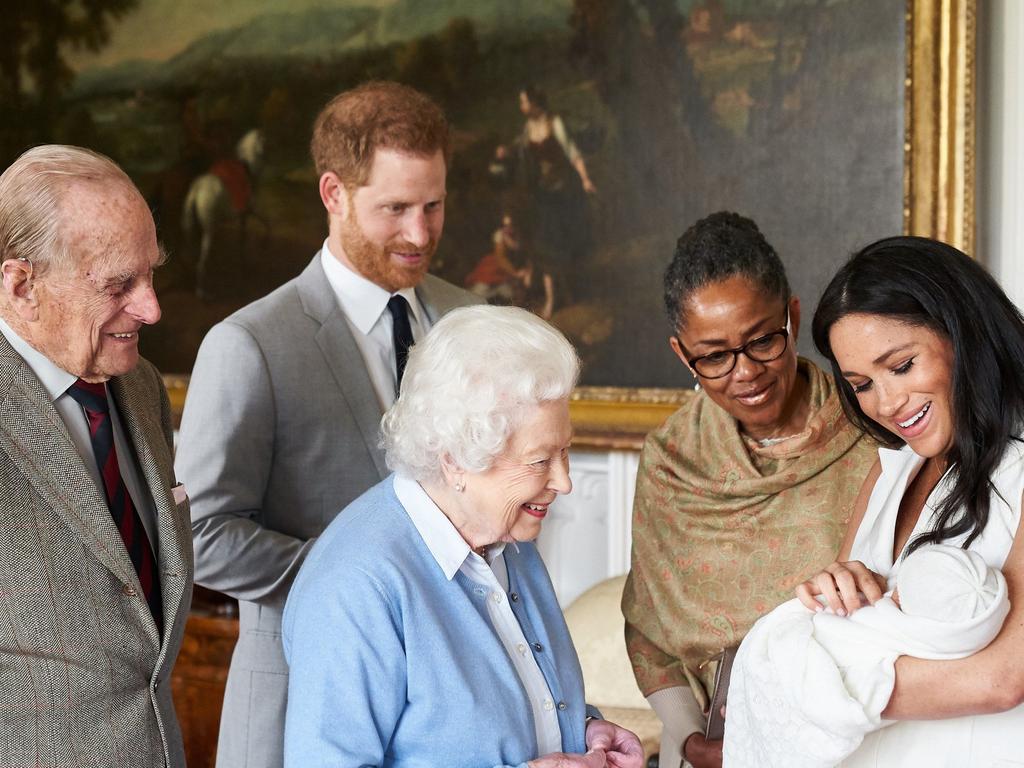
724	529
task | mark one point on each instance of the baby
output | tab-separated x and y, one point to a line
807	687
947	584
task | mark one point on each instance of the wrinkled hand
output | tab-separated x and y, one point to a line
842	584
621	746
595	758
701	753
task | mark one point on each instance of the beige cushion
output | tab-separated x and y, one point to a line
597	628
596	625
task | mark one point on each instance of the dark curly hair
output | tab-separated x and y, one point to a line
715	248
932	285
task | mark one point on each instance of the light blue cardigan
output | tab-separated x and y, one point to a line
394	665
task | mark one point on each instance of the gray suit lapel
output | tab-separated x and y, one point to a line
33	434
148	440
438	297
343	357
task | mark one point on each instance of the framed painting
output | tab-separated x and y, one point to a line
588	135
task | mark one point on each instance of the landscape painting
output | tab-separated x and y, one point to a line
588	134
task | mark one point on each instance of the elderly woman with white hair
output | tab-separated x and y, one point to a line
423	629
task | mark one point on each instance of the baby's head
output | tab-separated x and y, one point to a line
946	583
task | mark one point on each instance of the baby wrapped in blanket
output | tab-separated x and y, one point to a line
807	687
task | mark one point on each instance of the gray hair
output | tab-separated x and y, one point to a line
31	191
466	385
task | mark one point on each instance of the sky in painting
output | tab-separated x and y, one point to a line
158	29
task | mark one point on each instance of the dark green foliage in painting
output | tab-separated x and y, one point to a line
33	70
648	85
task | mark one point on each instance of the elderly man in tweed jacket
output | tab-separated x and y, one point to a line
95	546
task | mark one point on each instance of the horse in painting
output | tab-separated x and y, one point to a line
223	193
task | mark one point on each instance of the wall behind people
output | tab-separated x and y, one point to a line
1001	142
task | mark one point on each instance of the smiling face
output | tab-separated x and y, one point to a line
509	501
902	376
767	399
392	224
89	312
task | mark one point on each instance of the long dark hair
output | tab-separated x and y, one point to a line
926	283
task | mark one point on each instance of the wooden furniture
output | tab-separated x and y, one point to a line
201	673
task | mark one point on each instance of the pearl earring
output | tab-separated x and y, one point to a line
459	487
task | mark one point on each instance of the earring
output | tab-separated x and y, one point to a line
459	487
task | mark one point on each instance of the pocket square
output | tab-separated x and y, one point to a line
178	492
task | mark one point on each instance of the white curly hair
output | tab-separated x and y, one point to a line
466	385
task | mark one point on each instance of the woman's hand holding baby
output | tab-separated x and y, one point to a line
842	584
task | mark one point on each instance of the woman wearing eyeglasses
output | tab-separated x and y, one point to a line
745	491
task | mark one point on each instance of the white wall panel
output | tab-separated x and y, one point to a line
1000	197
586	535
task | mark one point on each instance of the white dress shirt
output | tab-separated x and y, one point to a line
365	305
453	554
56	382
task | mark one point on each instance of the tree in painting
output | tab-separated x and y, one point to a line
34	72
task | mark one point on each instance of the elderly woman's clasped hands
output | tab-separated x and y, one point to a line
607	745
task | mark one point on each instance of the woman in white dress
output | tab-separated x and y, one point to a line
929	355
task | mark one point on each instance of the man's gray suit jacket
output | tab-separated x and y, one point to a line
85	677
280	432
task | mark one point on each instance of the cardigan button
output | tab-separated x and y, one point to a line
128	590
513	596
538	647
563	706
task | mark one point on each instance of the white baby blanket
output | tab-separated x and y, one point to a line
807	687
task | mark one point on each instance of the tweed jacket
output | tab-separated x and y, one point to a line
84	671
280	432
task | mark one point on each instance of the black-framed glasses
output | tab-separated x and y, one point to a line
763	349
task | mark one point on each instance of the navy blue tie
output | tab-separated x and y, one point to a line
401	334
93	398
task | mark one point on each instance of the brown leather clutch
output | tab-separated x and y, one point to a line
716	723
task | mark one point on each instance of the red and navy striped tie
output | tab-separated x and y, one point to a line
93	398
